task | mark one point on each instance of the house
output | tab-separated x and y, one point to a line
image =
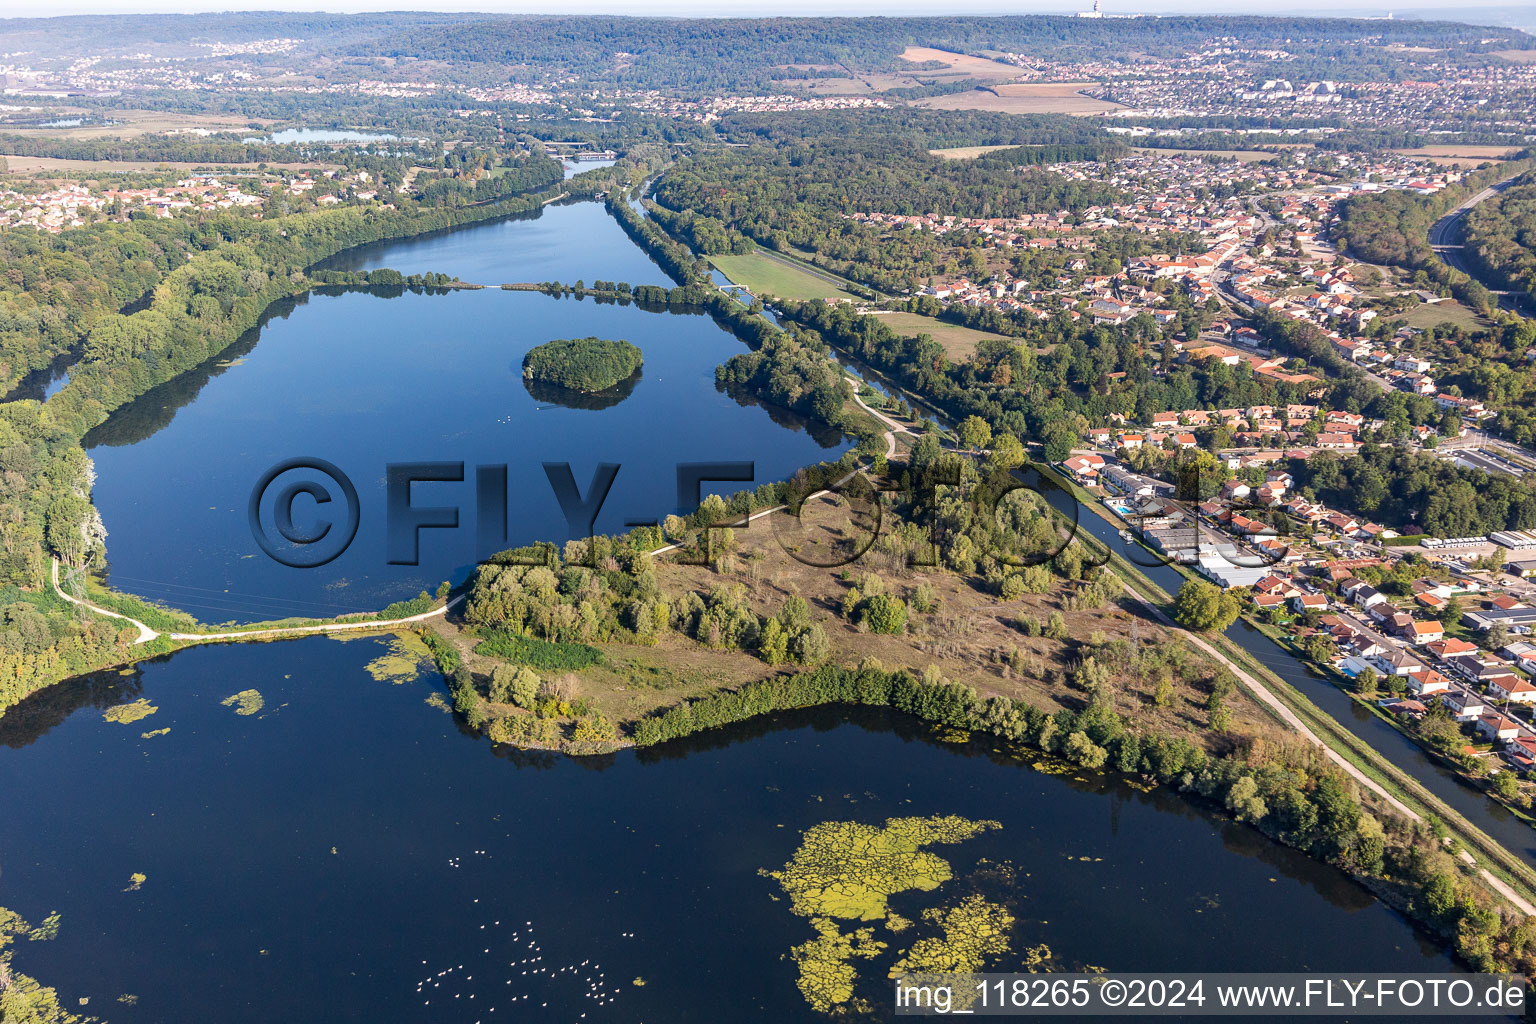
1450	647
1084	468
1304	603
1520	752
1278	586
1464	705
1424	632
1427	681
1511	687
1397	662
1363	594
1496	727
1411	708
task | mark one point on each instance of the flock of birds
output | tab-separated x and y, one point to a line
510	976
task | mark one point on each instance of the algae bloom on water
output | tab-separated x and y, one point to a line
124	714
850	870
586	365
246	702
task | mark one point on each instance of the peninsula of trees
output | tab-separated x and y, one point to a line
582	364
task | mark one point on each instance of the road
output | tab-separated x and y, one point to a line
1279	707
1445	237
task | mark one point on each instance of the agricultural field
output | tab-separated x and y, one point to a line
967	152
962	64
762	273
1465	155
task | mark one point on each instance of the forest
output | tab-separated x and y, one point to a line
1392	227
1416	491
1500	235
801	196
699	55
140	302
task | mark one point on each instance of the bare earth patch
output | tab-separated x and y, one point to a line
1025	98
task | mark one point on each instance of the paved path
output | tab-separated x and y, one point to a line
892	427
1264	694
146	634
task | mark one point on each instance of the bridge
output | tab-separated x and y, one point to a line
1445	237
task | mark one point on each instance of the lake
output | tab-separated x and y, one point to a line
362	380
347	845
289	135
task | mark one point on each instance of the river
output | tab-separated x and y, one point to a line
348	853
1494	819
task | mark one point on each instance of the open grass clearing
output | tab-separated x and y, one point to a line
130	123
764	274
967	152
959	342
1445	311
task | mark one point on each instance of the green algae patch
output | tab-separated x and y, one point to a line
47	931
126	714
246	702
402	662
153	733
970	932
849	869
827	974
136	881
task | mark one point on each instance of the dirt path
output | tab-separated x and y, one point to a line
146	634
1264	694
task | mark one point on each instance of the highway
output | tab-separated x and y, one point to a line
1445	237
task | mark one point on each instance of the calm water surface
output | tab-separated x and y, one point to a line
321	859
363	381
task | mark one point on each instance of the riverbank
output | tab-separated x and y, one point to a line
1505	870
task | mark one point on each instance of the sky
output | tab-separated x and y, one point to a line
1516	13
760	8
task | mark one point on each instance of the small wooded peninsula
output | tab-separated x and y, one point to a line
587	365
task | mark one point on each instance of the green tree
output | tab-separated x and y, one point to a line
974	433
1365	682
883	613
514	684
1204	607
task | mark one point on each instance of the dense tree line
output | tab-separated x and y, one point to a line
1404	488
1392	227
1293	797
931	129
794	196
1500	234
